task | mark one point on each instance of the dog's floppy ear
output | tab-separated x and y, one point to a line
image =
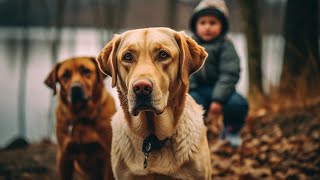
107	59
192	56
52	78
100	74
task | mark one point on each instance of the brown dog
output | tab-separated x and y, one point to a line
160	134
83	114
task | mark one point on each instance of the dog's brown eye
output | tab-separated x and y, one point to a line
163	55
127	56
85	72
66	75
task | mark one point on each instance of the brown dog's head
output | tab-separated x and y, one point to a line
150	66
80	81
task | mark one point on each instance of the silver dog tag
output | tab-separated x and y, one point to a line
146	151
145	163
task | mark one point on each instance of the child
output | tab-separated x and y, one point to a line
213	86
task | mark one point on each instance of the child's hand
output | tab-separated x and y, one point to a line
215	108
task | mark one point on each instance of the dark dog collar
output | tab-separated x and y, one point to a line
149	144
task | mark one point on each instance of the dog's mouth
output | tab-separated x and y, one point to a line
144	104
145	97
137	110
78	100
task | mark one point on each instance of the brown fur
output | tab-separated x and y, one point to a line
83	130
172	113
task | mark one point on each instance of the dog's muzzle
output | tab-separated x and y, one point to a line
77	94
142	90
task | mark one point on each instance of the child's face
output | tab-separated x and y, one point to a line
208	27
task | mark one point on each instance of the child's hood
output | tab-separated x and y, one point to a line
217	4
217	8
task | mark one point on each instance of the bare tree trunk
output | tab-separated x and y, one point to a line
172	13
120	14
109	13
250	16
23	70
301	68
58	23
50	120
112	20
99	19
72	33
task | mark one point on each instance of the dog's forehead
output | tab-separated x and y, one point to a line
147	37
75	63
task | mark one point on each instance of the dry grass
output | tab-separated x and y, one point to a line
293	93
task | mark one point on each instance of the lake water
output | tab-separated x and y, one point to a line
78	42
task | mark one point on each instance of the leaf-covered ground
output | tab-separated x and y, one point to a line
280	146
285	145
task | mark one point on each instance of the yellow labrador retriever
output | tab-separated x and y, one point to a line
160	133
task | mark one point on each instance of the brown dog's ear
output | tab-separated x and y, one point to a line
192	56
107	59
52	78
100	74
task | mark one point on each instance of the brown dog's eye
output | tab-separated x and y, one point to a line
85	72
163	55
66	75
127	56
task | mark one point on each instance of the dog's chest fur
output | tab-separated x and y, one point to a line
178	150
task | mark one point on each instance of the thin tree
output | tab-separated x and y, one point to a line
58	22
120	14
300	75
99	19
23	69
172	13
115	12
110	12
250	16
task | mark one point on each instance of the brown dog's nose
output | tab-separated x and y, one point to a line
77	94
142	87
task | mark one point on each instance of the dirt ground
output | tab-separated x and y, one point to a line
285	145
36	161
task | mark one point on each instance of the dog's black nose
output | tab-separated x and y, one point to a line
77	94
142	87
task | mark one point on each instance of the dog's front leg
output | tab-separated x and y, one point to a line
65	165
